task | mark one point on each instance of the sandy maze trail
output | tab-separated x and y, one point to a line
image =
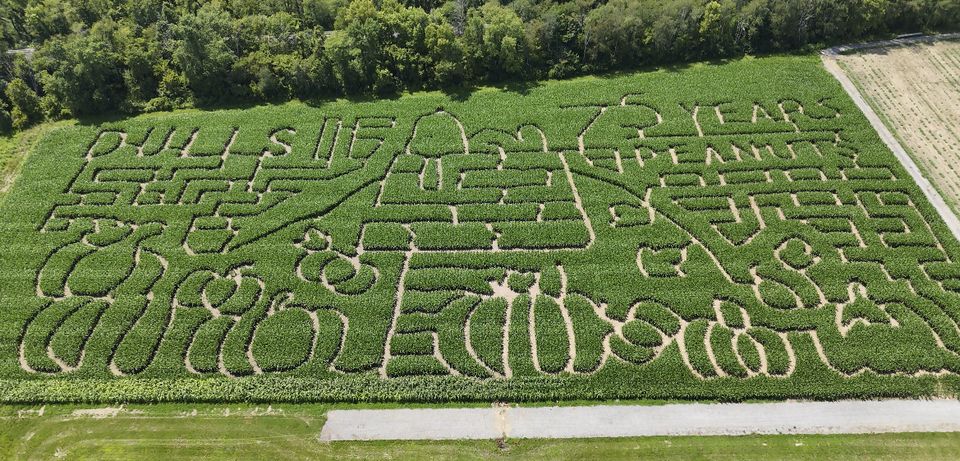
762	243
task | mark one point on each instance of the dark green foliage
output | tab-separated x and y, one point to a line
552	340
83	72
589	331
721	342
24	104
96	58
283	341
486	332
68	341
205	349
641	334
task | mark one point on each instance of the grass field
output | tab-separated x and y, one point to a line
728	232
290	432
915	89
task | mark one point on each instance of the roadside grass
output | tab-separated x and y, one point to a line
214	432
14	150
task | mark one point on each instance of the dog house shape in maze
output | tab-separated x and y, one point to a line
492	191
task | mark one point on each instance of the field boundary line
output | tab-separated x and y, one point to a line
693	419
841	49
933	195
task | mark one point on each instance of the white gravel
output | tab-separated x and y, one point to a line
842	417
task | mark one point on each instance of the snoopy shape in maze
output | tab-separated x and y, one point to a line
493	193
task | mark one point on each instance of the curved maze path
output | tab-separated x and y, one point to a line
631	237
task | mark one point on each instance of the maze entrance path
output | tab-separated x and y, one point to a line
650	236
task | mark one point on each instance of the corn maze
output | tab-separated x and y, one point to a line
721	232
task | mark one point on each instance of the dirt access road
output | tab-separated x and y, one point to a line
841	417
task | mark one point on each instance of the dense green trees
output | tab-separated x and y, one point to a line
200	51
83	72
96	56
378	48
495	43
25	104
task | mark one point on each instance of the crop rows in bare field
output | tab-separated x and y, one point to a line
916	90
723	232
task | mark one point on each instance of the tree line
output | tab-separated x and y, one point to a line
75	58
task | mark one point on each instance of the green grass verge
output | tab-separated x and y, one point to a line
209	432
721	232
14	150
